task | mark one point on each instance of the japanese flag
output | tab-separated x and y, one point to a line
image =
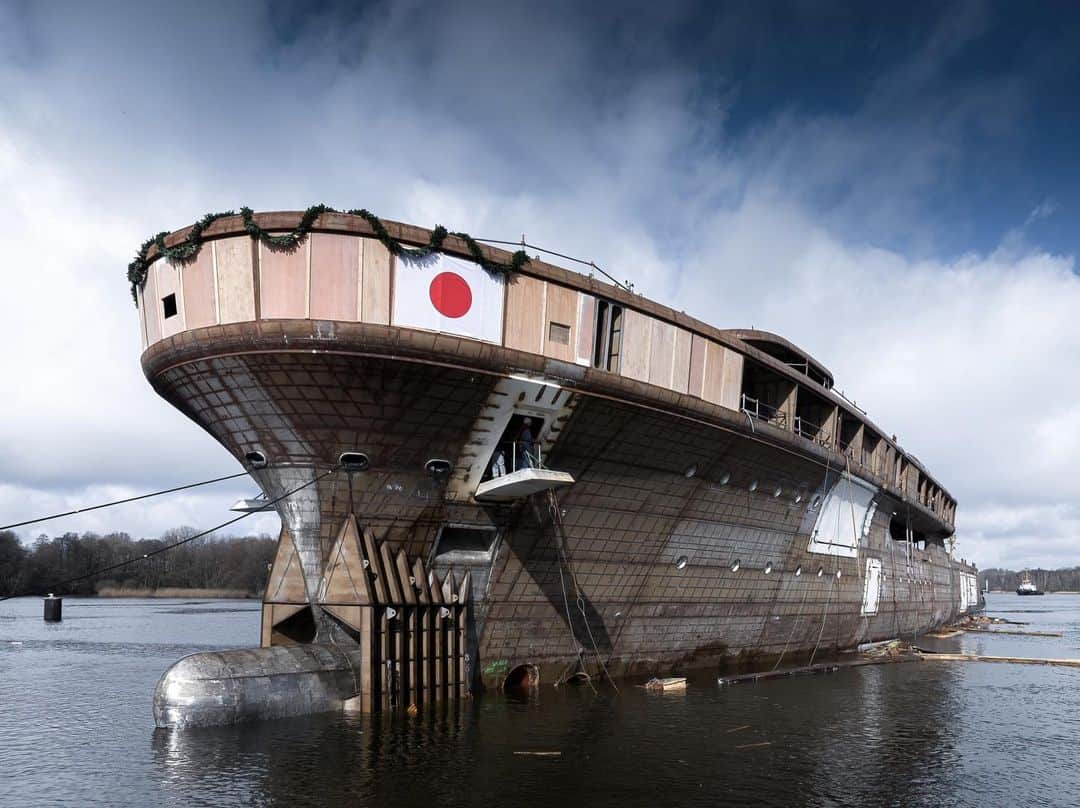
450	295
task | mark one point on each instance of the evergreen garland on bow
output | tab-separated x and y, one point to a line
187	250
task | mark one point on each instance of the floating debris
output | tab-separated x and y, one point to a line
671	683
538	754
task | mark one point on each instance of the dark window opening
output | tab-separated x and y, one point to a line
460	539
518	448
898	530
764	393
295	629
849	432
168	303
870	444
557	332
608	341
812	416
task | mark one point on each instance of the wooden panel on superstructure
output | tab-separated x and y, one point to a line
151	308
524	326
680	363
376	282
699	347
635	349
586	328
283	282
661	353
335	277
235	279
200	305
562	311
169	283
732	380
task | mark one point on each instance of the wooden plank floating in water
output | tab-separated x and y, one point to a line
1013	632
807	670
1068	663
671	683
538	754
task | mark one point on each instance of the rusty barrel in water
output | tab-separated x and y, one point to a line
54	607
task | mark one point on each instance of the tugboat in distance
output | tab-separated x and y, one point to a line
1027	587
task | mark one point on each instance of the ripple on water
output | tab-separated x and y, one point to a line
912	735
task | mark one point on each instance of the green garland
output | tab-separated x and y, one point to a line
186	251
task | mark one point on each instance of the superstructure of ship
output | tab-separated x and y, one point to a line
1027	586
681	496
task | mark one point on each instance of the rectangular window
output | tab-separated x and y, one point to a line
557	332
168	303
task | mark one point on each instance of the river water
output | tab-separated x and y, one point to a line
76	728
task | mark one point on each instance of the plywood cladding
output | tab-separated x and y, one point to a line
698	349
235	279
722	376
560	321
375	279
169	283
283	282
586	330
200	296
335	277
637	337
680	363
151	309
524	328
661	353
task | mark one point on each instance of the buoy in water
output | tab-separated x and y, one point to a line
54	608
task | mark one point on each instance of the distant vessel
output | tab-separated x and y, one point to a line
718	501
1027	587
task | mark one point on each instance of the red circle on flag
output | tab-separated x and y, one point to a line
450	295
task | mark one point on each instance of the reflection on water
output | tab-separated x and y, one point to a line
911	734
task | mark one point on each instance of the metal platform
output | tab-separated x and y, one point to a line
521	483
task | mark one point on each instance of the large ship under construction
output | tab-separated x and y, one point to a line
491	470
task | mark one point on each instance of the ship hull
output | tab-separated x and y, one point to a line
683	542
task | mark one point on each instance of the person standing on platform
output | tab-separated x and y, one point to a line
525	445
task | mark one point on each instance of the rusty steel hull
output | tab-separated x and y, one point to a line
634	569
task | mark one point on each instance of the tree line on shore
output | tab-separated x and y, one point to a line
1061	580
224	564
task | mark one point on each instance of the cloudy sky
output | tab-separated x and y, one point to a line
894	190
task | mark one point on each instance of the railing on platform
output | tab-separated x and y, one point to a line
758	409
516	455
815	432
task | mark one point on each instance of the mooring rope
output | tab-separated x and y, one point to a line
59	584
122	501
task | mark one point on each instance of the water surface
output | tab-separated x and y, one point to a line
76	728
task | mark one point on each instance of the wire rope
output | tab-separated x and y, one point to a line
59	584
122	501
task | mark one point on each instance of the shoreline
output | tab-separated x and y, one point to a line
178	592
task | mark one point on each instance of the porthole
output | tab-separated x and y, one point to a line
838	575
725	479
820	571
815	502
618	614
353	461
753	485
777	492
768	568
680	562
798	498
735	565
798	571
257	460
690	472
